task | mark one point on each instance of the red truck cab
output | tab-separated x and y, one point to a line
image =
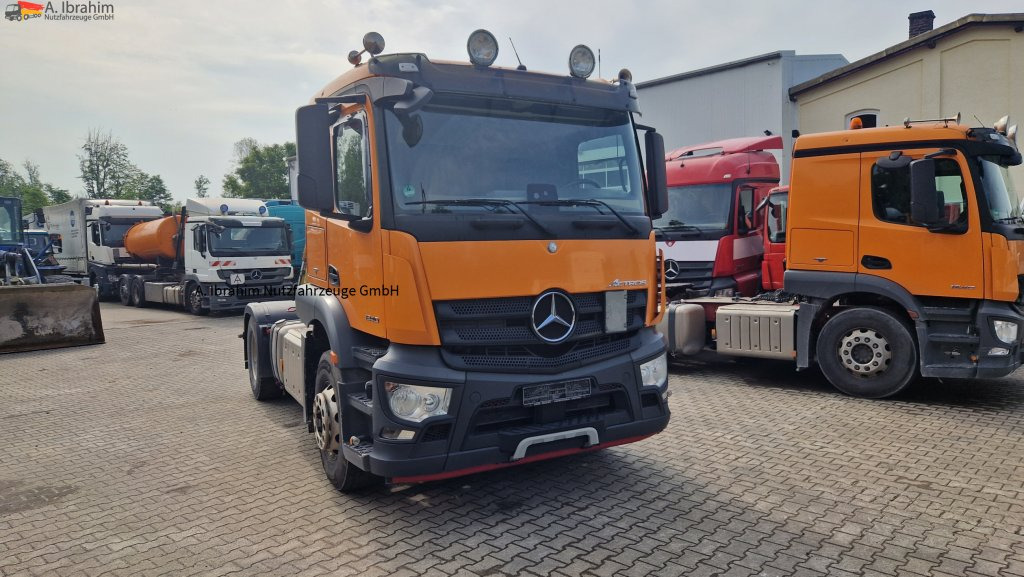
710	235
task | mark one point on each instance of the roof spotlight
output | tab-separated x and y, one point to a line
372	43
1000	124
482	47
581	61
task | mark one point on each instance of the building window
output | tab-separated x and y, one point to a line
868	118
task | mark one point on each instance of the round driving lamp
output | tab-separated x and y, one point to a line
482	47
581	61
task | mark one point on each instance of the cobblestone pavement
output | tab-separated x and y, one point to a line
147	456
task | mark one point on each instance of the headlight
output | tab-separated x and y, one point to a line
654	373
416	403
728	292
581	61
1006	331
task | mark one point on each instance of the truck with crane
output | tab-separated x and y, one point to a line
711	243
483	279
904	257
218	254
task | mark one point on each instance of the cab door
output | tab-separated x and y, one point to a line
354	261
944	263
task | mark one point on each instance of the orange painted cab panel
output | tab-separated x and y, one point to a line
316	247
924	263
822	228
1007	262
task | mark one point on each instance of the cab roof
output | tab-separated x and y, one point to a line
873	136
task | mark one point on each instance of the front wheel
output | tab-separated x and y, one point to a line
345	476
867	352
194	299
124	290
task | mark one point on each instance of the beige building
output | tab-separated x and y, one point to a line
974	66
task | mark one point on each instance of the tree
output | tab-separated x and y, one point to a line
11	182
104	165
202	185
260	170
33	192
57	195
156	192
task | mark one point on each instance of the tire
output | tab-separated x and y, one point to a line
59	279
138	292
867	352
263	388
124	290
194	300
345	476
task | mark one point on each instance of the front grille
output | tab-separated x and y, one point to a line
695	273
267	274
498	334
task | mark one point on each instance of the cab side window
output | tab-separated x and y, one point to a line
745	210
890	192
95	231
351	166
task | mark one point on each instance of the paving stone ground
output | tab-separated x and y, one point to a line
148	456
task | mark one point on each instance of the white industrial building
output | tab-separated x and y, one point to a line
741	98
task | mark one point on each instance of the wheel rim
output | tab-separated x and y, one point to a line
325	420
865	352
195	299
125	295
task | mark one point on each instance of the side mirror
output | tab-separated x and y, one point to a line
657	190
200	240
925	199
313	157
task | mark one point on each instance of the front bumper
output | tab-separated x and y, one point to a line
488	426
951	351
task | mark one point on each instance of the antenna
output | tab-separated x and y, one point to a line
514	51
979	120
599	63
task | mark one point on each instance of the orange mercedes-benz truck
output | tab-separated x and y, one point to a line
904	257
481	276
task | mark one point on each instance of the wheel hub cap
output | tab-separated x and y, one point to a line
325	420
865	352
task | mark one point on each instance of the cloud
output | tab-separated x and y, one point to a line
180	82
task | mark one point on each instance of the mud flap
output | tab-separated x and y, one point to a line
36	317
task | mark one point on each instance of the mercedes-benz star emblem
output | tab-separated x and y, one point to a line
553	317
256	274
671	269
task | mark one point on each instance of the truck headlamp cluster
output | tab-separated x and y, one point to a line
1006	331
482	47
654	373
415	402
581	61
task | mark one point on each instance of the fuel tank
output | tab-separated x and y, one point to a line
153	239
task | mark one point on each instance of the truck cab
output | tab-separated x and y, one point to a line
710	234
12	12
483	281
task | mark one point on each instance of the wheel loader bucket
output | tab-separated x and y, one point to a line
41	316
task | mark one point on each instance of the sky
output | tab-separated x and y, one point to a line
179	82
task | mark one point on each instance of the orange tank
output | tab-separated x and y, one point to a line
153	239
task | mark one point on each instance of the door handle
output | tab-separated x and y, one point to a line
332	276
875	262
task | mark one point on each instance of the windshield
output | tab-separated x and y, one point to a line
10	222
466	147
1004	202
249	241
36	242
702	207
113	233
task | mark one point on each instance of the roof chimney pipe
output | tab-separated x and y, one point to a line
921	22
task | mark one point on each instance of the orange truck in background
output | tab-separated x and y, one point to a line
904	256
482	282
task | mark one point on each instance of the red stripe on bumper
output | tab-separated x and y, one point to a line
533	459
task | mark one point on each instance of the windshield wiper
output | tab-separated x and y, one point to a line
679	225
485	202
593	203
1010	220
